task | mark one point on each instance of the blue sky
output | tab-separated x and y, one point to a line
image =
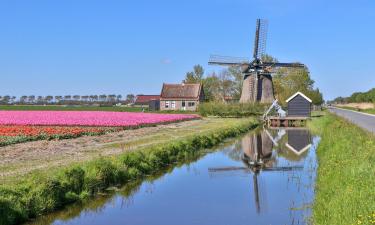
94	47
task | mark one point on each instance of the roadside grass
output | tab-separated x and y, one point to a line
370	111
42	192
345	187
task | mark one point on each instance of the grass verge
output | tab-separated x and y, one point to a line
345	185
39	194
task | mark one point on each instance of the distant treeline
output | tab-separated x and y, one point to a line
66	100
356	97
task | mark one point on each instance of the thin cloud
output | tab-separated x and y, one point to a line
166	61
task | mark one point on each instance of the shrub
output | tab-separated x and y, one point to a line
231	109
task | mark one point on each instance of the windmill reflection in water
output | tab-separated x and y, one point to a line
257	154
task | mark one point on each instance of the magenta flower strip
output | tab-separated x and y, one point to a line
88	118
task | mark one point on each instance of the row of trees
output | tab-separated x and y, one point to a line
67	99
357	97
228	83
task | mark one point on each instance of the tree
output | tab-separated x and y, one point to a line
23	99
119	97
85	98
237	78
196	76
130	98
211	87
31	99
102	98
287	81
112	98
49	98
58	98
40	99
76	97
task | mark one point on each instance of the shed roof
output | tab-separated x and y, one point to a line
301	94
146	98
183	91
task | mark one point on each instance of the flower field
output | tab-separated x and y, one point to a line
21	126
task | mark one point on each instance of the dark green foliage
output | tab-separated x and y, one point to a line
74	179
358	97
230	109
39	195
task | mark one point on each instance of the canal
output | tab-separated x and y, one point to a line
264	177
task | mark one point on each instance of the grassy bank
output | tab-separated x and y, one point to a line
346	174
45	192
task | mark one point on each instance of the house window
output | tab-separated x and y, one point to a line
166	104
183	104
173	104
191	104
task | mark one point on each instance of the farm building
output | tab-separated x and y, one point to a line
181	96
144	100
299	105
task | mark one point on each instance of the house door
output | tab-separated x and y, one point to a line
183	105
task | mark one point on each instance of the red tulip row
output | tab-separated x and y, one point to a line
48	130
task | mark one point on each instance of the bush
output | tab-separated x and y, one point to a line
231	109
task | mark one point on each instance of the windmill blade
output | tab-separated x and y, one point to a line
288	65
227	61
283	168
260	38
229	168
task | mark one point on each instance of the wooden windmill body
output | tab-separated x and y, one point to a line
257	84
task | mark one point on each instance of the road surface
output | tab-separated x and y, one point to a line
364	120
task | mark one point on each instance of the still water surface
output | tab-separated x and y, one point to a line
265	177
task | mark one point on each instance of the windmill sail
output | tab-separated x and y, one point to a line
260	38
227	60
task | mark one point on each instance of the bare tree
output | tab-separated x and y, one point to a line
76	97
58	98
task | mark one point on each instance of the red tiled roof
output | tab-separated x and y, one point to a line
145	99
182	91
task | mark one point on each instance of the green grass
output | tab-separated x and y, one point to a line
345	188
41	193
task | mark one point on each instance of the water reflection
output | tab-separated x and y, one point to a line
257	153
264	177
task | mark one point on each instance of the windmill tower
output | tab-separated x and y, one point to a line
257	84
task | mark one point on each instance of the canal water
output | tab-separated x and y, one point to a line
264	177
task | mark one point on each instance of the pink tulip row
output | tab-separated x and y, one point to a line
88	118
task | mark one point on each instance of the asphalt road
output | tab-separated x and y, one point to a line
364	120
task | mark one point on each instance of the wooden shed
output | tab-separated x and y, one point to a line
299	105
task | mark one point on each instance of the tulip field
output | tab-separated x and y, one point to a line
21	126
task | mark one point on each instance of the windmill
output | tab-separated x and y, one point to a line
257	84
